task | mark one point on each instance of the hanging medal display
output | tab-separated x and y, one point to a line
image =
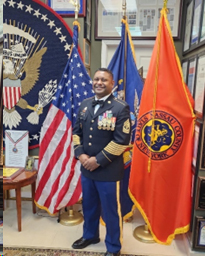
15	150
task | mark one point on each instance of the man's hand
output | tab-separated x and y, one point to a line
91	164
83	158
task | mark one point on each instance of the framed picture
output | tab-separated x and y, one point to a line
191	75
202	32
29	166
35	165
188	23
199	235
65	8
197	134
200	194
200	87
142	16
87	24
196	22
202	153
86	51
88	70
185	69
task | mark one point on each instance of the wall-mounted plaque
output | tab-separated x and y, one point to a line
196	22
191	75
188	22
200	87
202	154
197	130
184	70
199	235
66	8
142	16
200	195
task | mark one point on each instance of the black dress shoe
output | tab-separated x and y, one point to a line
112	254
82	242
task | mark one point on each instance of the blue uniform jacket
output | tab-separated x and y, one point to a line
104	135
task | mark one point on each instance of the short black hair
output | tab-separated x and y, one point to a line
105	70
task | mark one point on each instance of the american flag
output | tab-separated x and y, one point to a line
58	180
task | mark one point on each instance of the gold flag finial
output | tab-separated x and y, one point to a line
77	7
124	9
165	3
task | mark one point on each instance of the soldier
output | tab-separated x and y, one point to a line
100	135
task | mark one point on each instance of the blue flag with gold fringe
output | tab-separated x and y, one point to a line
128	87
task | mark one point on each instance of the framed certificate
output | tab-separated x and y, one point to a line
196	144
202	153
199	235
202	33
196	22
142	16
188	23
65	8
200	194
86	53
200	87
16	148
87	24
185	69
191	75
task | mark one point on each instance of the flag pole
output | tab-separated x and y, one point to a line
125	56
71	217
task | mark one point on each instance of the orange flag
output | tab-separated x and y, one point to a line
160	178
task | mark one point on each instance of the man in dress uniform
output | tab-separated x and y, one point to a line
100	136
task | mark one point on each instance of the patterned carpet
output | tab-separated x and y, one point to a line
8	251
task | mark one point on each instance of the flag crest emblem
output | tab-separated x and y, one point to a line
160	138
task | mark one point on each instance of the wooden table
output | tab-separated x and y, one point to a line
23	179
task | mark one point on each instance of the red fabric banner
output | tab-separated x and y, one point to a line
160	179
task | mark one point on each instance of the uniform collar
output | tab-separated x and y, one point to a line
103	98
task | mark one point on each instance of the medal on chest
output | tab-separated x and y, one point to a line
107	121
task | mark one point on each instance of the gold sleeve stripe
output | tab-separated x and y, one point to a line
106	157
76	140
78	147
115	149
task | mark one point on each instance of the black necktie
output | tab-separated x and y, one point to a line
96	102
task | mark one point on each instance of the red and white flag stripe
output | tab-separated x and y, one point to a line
11	95
58	181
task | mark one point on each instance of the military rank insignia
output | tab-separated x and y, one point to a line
126	126
107	121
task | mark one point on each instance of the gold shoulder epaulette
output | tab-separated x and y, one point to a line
120	101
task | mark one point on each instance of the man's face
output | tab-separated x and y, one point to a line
102	84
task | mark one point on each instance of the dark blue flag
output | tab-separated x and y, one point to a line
127	88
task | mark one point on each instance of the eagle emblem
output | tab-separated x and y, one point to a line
20	73
21	68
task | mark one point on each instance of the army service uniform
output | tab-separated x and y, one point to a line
105	135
